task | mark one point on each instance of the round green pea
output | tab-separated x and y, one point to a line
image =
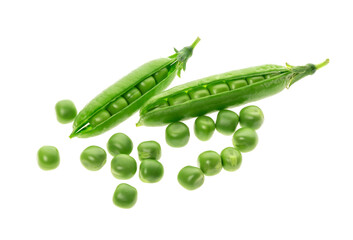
100	117
65	111
93	158
231	159
119	143
226	122
149	150
177	134
252	117
48	157
161	74
245	139
204	128
123	166
191	177
151	171
125	196
210	163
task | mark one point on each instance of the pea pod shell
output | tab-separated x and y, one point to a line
201	106
116	90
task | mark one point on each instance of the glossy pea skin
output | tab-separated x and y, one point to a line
226	122
132	95
93	158
65	111
231	159
191	177
210	163
146	85
151	171
161	74
125	196
204	128
177	134
117	105
100	117
123	166
245	139
252	117
119	143
149	150
48	158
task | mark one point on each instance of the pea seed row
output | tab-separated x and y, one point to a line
118	104
211	89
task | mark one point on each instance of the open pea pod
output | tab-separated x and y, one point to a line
221	91
119	101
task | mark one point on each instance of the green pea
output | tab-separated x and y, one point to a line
178	99
48	157
177	134
117	105
146	85
231	159
132	95
237	84
99	118
210	163
218	88
199	93
191	177
161	74
151	171
65	111
93	158
245	139
119	143
123	166
256	79
204	128
125	196
252	117
149	150
226	122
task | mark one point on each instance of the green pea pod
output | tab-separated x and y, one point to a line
221	91
119	101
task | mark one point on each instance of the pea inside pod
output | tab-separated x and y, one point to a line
126	96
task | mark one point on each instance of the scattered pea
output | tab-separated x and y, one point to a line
231	159
48	157
191	177
252	117
151	171
210	163
204	128
149	150
123	166
177	134
226	122
93	158
245	139
65	111
119	143
125	196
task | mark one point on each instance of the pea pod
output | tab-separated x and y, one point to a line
221	91
119	101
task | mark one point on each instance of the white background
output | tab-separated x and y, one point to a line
297	184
